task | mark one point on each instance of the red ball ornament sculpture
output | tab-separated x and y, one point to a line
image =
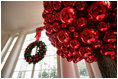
67	15
108	49
57	5
102	26
97	11
89	36
110	36
64	36
80	5
82	29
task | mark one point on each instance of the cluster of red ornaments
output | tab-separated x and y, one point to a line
82	29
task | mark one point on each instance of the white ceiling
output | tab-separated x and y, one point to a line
21	15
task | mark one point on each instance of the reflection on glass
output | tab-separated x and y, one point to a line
82	69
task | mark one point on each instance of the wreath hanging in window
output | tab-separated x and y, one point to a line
40	50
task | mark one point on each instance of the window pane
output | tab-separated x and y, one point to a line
37	74
15	74
82	69
28	74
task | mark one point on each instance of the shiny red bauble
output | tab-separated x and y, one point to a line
103	26
97	44
67	15
75	34
56	26
57	16
80	5
51	18
72	29
85	51
90	60
81	22
59	52
108	49
48	6
57	5
89	36
74	44
49	28
97	12
69	3
110	36
64	36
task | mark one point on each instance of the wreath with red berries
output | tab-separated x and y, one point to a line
41	51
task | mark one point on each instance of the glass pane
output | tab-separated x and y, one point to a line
37	74
53	73
15	74
21	74
45	74
30	36
28	74
82	69
17	68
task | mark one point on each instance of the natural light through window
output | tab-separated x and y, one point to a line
82	69
46	68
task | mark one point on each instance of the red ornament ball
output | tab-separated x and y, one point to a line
75	34
59	52
81	22
64	36
56	26
72	29
80	5
85	51
108	49
48	6
97	12
51	18
90	60
110	36
49	28
57	16
74	44
89	36
97	44
63	25
67	15
69	3
102	26
57	5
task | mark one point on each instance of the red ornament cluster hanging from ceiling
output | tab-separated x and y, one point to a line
82	29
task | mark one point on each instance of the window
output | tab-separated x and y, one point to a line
82	69
46	68
9	50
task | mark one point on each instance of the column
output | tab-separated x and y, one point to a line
76	70
96	70
68	69
10	64
6	47
90	71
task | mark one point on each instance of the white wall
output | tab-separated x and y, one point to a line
4	37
